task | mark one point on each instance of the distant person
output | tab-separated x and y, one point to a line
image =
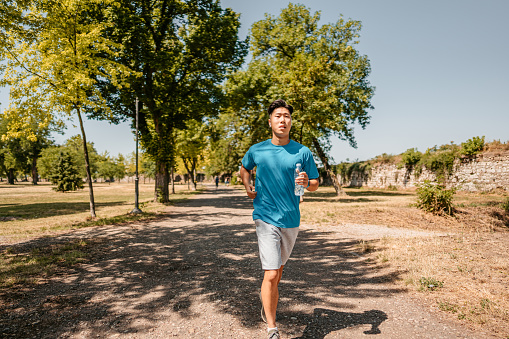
217	182
276	207
227	181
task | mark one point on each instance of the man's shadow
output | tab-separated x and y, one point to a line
325	321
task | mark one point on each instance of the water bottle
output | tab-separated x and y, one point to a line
299	189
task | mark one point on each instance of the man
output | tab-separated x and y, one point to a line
276	207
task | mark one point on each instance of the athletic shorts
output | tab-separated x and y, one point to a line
275	244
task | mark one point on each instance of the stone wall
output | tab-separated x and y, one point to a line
485	172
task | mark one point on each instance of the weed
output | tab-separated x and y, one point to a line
447	307
430	284
505	205
392	188
435	198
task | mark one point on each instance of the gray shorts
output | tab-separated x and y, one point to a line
275	244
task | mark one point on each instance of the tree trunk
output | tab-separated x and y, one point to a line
190	171
162	193
35	175
10	176
326	166
172	181
87	166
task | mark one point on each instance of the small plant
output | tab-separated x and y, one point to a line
392	188
435	198
430	284
505	205
447	307
472	146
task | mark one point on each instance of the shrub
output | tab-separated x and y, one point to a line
505	205
411	157
472	146
430	284
435	198
439	160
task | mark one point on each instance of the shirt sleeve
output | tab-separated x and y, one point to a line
248	161
310	166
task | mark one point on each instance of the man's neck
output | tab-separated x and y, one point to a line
280	141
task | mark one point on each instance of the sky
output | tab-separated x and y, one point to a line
440	68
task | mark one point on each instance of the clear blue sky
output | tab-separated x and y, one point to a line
440	68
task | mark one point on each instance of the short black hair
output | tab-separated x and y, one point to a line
279	103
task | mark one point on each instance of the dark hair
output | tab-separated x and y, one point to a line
280	103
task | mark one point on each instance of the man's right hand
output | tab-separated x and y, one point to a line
250	190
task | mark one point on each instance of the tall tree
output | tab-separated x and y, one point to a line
54	57
183	49
317	70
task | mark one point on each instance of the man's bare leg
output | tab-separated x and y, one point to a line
270	294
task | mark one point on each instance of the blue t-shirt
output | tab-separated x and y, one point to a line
276	202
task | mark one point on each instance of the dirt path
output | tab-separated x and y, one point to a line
196	275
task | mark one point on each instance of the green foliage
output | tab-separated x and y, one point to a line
439	160
65	175
472	146
346	169
74	147
505	205
111	167
315	68
435	198
430	284
184	49
411	157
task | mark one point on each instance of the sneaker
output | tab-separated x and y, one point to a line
262	312
274	334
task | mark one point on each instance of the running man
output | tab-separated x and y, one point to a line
276	207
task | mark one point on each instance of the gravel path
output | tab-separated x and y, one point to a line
196	274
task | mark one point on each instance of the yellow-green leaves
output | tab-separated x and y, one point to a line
52	67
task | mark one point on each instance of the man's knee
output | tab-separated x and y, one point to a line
272	276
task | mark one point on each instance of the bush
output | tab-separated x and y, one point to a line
472	146
505	205
411	157
439	160
435	198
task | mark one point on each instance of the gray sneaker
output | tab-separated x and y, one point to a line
274	334
262	312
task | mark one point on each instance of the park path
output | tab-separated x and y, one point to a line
195	274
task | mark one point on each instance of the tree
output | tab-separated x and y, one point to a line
53	58
66	176
72	146
318	71
243	121
191	144
32	132
183	50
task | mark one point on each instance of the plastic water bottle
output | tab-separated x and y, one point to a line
299	189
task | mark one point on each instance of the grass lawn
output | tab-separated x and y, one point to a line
464	273
28	211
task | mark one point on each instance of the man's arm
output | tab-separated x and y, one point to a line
246	180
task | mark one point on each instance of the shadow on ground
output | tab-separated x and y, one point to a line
146	271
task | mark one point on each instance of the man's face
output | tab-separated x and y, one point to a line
281	121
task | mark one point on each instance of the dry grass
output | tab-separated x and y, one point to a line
28	211
471	263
